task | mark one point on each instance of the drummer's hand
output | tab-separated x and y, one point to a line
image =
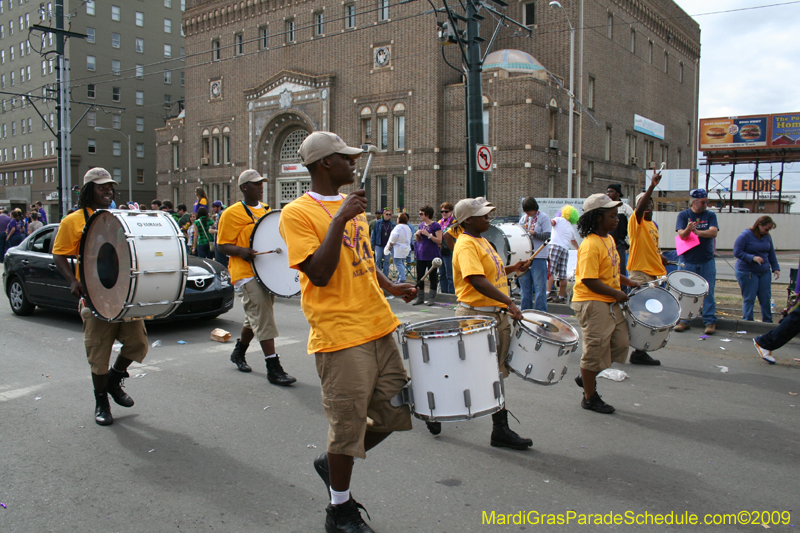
76	289
519	266
621	297
353	205
514	311
248	254
664	260
406	291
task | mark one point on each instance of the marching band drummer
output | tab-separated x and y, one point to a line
645	261
481	282
595	297
234	229
98	335
357	359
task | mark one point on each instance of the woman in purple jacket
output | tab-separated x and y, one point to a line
755	257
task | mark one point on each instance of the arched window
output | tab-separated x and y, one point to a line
383	128
291	144
175	154
399	113
215	151
226	145
366	125
206	146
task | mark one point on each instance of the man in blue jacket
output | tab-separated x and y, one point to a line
380	238
700	259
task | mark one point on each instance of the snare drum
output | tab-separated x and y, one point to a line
272	270
133	264
453	368
690	289
651	314
540	355
511	241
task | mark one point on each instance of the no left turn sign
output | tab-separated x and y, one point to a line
484	158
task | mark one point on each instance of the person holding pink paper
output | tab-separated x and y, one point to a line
698	222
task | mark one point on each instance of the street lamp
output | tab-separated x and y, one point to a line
127	138
557	4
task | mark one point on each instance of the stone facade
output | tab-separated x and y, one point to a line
262	74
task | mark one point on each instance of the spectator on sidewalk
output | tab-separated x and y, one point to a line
624	213
755	257
380	238
561	240
534	280
446	270
400	246
42	213
786	331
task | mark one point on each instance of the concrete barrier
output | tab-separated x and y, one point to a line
785	237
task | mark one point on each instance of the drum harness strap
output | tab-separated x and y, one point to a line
262	204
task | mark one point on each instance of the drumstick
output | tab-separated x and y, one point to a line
371	149
436	264
531	258
275	251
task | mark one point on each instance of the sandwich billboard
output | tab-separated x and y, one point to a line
751	132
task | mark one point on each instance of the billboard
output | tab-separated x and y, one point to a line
750	132
764	185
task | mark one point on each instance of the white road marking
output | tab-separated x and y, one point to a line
18	393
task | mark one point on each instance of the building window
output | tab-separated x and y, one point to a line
90	90
666	62
44	70
115	13
226	145
608	144
91	119
183	78
91	63
590	93
167	76
116	148
215	52
319	24
90	35
175	154
290	31
399	128
665	155
140	71
167	26
115	40
115	94
350	16
139	97
140	19
206	145
633	41
590	171
399	193
116	173
115	67
139	123
630	149
90	4
529	13
383	9
610	26
167	50
140	175
680	157
383	128
366	126
140	45
116	121
680	72
383	192
239	40
168	3
650	51
140	150
263	37
649	153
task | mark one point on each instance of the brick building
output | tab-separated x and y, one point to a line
262	74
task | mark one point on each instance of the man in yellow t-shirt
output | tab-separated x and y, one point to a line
645	262
235	227
98	335
357	359
481	282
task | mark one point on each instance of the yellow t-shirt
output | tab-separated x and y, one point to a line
476	257
597	259
235	227
644	254
455	231
351	309
68	237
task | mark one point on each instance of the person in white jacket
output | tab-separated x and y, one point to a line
400	246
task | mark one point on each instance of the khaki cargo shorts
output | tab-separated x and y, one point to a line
637	276
604	337
357	386
258	313
99	336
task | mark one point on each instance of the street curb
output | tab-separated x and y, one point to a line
756	328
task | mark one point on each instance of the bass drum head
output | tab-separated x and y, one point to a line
105	265
498	240
688	283
442	327
654	307
272	270
558	332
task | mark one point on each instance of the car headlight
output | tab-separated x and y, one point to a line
224	277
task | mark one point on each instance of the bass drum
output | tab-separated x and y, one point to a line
272	269
133	264
511	241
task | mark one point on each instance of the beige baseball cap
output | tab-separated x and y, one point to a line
472	207
599	200
638	197
250	175
98	175
322	144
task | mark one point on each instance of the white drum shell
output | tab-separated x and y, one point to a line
537	358
516	243
152	262
440	376
272	270
691	302
644	336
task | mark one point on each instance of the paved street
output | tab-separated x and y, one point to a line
207	448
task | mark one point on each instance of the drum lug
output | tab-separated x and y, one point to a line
632	325
405	349
498	389
695	299
652	333
563	373
663	343
550	376
538	344
574	347
462	351
646	346
492	344
509	356
425	355
528	370
431	402
467	399
690	314
519	333
403	397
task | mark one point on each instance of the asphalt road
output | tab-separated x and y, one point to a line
207	448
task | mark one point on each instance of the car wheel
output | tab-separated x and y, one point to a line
18	299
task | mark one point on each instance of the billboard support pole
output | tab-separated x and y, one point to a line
733	177
780	187
756	195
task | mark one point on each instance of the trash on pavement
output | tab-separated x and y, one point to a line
267	407
117	347
725	340
156	344
741	332
613	374
702	337
312	445
139	375
721	347
793	393
37	398
220	335
723	369
182	342
3	505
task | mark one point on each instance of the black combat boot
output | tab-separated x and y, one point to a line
275	373
503	436
346	518
237	357
102	411
114	387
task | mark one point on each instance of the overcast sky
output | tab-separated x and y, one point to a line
749	62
